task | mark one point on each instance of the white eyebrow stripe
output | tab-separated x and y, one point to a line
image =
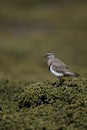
55	73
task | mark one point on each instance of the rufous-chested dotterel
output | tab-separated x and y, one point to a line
57	67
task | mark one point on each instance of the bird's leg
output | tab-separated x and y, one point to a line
61	81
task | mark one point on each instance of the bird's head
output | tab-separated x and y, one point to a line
49	55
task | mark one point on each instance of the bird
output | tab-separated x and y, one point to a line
57	67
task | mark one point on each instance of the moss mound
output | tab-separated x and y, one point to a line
43	106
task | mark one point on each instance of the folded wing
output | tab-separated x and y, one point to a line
62	69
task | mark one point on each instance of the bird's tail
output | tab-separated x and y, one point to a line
76	75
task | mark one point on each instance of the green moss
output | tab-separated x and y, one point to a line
43	106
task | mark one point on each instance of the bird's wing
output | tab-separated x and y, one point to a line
58	67
60	63
61	69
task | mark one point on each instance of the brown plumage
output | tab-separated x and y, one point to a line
58	67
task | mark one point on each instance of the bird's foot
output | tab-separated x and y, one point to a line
57	84
61	82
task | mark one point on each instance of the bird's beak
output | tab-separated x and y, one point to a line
45	56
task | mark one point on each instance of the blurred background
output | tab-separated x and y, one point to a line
31	28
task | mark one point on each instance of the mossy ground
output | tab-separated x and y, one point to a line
42	105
